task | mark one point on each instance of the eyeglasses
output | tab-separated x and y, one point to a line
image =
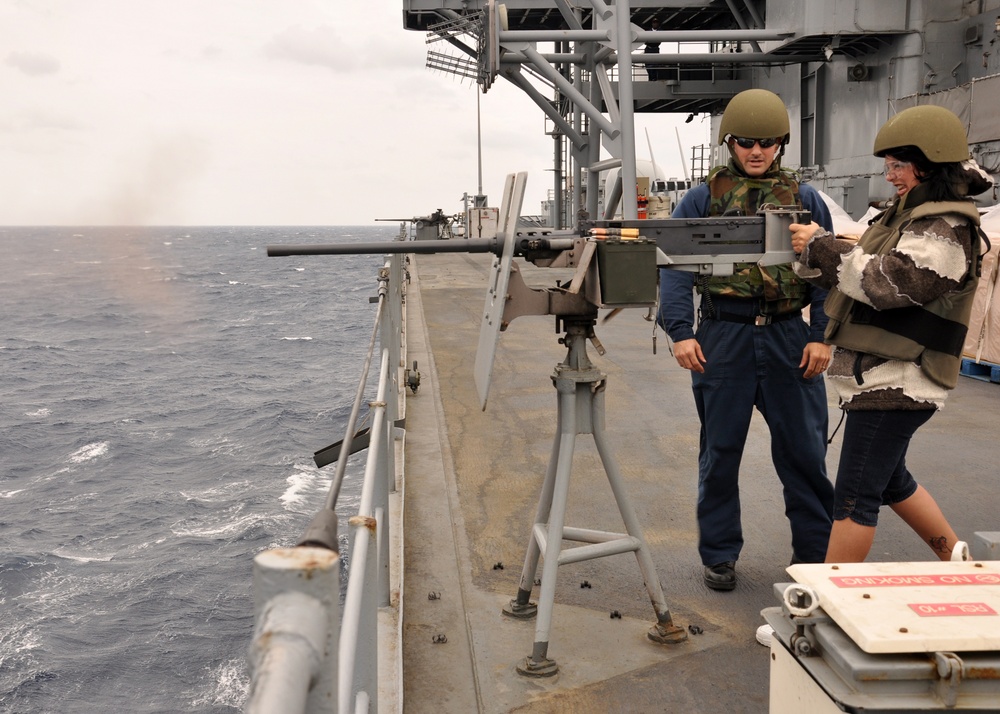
895	167
745	143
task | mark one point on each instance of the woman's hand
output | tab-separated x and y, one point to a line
802	234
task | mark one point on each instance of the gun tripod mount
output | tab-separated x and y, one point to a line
580	390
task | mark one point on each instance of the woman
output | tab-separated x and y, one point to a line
899	309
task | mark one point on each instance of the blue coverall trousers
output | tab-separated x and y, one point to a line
758	366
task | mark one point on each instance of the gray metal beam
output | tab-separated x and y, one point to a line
762	58
522	83
550	73
741	22
568	14
744	35
630	207
597	5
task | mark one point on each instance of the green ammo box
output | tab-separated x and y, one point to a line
627	271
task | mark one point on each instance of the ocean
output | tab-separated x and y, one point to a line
163	392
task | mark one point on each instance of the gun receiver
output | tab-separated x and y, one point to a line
712	245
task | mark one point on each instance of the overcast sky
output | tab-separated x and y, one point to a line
252	112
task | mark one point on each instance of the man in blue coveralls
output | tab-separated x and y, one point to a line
753	348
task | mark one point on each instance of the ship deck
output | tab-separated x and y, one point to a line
471	485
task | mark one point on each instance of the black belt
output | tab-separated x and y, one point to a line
758	320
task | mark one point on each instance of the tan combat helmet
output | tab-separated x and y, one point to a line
755	114
936	131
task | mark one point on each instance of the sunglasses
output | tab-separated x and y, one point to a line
745	143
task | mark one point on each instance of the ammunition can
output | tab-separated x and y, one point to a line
627	272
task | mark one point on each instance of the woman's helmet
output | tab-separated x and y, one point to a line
936	131
755	114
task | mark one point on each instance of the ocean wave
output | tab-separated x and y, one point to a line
76	595
217	446
18	663
293	339
216	494
82	558
43	412
216	529
305	488
229	686
10	494
233	524
88	452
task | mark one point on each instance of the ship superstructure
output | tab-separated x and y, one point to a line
842	67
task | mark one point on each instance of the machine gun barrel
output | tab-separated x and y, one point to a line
472	245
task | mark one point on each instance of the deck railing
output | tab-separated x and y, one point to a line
305	657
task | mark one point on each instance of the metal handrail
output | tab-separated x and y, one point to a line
296	590
359	609
352	422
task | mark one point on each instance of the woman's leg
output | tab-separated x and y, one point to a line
849	542
921	513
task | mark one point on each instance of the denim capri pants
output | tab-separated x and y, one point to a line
872	471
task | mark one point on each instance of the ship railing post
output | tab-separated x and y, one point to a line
391	338
296	631
368	585
387	411
358	655
383	452
377	503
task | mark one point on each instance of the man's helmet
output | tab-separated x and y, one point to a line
755	114
934	130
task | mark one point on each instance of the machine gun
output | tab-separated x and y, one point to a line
614	265
614	261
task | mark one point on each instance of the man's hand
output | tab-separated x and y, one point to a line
815	358
689	355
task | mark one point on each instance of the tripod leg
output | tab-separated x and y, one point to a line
664	631
538	664
521	606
